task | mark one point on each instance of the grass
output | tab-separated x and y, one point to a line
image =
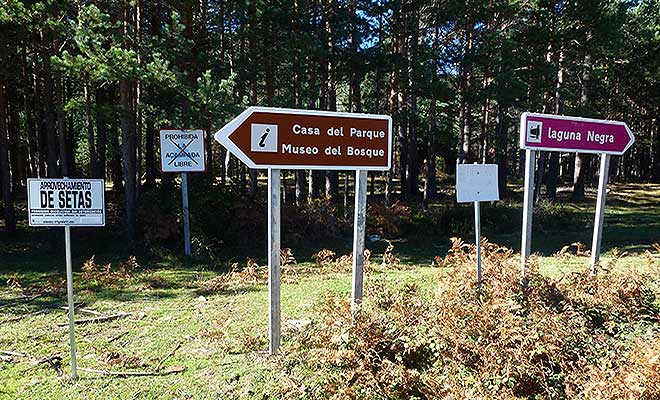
223	334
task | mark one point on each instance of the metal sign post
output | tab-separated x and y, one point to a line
186	216
273	259
528	210
67	202
358	239
183	151
477	240
69	294
600	211
570	134
476	183
279	138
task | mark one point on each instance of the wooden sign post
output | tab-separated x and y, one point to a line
278	138
569	134
67	202
183	151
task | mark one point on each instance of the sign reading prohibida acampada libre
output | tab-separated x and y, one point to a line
73	202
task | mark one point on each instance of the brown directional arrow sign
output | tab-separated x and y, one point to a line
264	137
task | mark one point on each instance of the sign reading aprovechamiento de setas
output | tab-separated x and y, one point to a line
59	202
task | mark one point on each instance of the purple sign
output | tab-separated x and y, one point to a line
573	134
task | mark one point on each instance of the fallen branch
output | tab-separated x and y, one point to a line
117	337
93	312
170	354
53	361
21	301
82	310
99	319
168	371
20	317
12	353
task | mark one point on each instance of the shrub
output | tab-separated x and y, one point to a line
553	338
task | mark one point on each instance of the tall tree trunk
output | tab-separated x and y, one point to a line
150	154
89	119
393	108
331	177
253	37
137	100
101	132
70	134
28	104
127	121
301	180
5	172
655	140
300	187
581	159
464	88
430	185
501	149
128	157
51	138
412	165
540	167
552	180
13	131
483	135
40	130
61	124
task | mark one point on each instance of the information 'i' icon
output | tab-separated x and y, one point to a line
263	138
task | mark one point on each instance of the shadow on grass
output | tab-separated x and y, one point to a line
632	223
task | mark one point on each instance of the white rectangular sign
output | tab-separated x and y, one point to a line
476	182
182	150
59	202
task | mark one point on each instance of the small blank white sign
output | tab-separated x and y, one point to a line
476	182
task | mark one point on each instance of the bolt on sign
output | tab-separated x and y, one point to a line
303	139
60	202
574	134
182	150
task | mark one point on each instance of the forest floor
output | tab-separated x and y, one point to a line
198	331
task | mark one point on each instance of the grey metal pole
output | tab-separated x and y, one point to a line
69	292
274	260
186	215
358	239
600	211
528	209
477	235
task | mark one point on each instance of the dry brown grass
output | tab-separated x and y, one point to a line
237	279
572	337
106	275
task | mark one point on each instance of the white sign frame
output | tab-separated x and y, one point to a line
97	188
182	150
